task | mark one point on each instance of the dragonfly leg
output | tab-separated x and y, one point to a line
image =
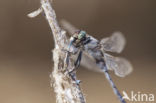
72	75
68	53
67	58
78	60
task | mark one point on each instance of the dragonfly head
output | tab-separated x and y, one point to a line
81	34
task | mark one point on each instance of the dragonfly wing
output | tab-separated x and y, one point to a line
120	66
89	62
115	43
68	26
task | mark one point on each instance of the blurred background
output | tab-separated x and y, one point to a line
26	44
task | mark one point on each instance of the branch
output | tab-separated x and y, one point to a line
66	86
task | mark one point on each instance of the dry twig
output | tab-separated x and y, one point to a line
66	86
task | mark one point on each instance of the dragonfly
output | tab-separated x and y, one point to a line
78	40
96	52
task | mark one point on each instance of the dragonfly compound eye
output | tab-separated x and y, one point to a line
82	34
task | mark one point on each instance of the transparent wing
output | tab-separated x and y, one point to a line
88	62
68	26
120	66
115	43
